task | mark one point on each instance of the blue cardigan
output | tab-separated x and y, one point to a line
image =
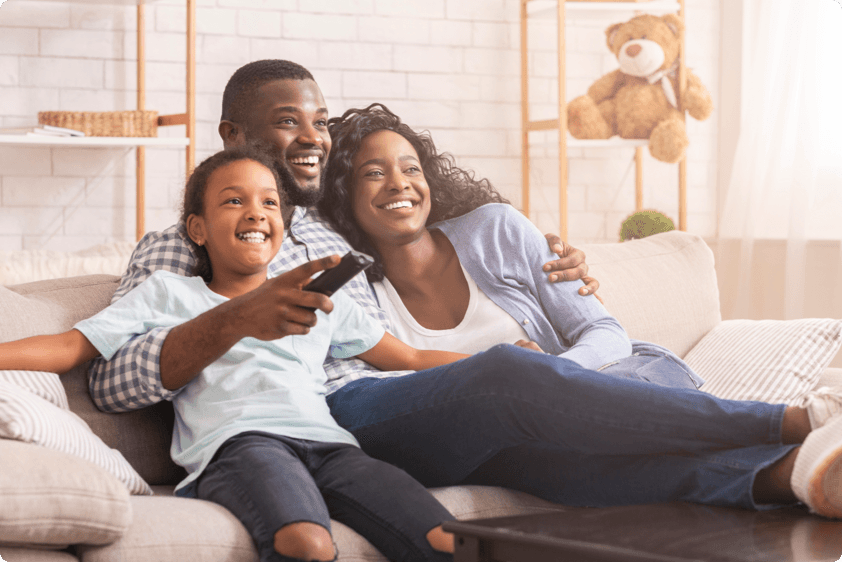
503	252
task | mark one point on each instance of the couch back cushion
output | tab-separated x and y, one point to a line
54	306
661	288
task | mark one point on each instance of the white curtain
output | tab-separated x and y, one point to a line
786	184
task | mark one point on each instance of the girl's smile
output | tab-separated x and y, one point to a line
241	225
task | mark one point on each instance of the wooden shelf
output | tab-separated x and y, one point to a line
529	10
104	2
96	142
188	118
613	142
548	7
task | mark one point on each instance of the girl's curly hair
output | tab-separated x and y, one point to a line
453	191
193	202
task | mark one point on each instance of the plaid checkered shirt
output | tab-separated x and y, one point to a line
132	378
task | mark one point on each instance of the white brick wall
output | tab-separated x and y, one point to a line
449	66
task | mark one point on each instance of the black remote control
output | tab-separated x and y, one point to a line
332	279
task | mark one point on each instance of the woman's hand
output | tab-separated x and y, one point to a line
528	344
570	266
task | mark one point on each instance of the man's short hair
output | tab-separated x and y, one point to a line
239	91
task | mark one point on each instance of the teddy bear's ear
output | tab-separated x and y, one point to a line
674	23
610	34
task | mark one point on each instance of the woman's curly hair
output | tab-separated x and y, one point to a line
453	191
193	202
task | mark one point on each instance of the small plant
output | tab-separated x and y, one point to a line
645	223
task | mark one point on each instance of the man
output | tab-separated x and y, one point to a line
506	417
279	104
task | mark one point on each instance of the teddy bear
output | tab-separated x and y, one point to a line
638	100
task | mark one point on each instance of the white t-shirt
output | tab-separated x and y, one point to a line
273	386
485	324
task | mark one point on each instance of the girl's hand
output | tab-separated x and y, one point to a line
528	344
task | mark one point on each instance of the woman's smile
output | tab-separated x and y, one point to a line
391	197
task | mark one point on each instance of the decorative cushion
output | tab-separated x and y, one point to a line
50	307
52	499
29	418
46	385
767	360
646	283
25	266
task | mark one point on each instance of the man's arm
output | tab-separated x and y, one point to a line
570	266
131	378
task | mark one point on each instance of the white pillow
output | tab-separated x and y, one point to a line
46	385
775	361
29	418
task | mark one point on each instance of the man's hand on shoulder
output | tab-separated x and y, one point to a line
570	266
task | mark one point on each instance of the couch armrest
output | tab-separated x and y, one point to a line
53	499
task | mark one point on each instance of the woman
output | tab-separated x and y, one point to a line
385	184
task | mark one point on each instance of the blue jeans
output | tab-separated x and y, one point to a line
269	481
541	424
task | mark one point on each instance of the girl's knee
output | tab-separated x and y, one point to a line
440	540
306	541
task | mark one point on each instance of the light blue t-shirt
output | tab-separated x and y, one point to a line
272	386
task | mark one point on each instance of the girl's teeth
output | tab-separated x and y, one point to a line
252	237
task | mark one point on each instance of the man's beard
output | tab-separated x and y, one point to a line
295	194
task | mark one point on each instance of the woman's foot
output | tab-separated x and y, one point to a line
822	404
817	474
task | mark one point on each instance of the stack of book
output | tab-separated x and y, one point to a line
42	130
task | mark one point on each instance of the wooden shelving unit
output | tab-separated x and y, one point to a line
558	8
188	118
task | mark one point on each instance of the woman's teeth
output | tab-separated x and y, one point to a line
308	161
398	205
255	237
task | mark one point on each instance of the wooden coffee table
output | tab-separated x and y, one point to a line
673	532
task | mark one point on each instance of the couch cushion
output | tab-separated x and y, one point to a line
31	419
54	499
661	288
170	529
50	307
14	554
774	361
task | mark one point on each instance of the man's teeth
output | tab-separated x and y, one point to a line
309	160
252	237
398	205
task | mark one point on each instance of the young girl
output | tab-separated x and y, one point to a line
253	429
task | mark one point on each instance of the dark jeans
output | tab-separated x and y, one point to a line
268	481
541	424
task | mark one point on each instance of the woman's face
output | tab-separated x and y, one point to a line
391	199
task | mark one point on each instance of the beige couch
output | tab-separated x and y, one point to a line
663	289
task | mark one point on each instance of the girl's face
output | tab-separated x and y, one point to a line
391	198
241	225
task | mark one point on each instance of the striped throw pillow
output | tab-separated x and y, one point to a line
775	361
46	385
24	416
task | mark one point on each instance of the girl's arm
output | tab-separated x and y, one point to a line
391	354
55	354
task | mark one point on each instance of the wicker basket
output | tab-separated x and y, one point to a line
104	123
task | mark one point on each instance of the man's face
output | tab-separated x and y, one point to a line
291	117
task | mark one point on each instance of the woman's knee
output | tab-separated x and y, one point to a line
305	541
507	367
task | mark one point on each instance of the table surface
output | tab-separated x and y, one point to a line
673	532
